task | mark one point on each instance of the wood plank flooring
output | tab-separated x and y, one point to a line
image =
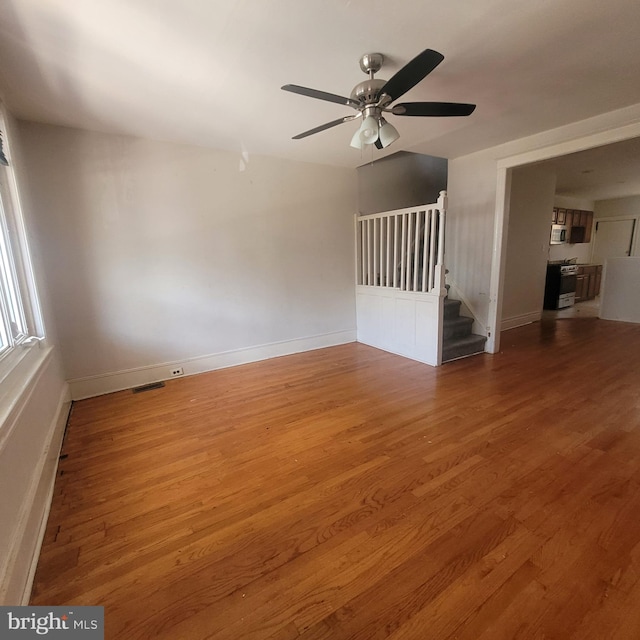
348	493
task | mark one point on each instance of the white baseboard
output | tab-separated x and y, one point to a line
521	320
22	557
117	381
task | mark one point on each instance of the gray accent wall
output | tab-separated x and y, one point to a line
401	180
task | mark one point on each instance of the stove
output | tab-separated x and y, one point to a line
560	285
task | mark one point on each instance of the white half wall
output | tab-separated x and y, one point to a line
620	298
621	209
158	253
406	323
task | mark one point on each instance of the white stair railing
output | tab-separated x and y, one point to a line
403	249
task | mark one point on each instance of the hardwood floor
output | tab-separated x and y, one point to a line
350	493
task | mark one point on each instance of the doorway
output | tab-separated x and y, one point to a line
618	176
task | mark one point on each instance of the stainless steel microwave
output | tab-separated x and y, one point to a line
559	234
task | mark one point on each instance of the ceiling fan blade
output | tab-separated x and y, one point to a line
412	72
434	109
320	95
323	127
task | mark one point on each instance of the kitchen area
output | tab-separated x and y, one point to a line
571	280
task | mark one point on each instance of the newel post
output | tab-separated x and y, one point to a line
440	267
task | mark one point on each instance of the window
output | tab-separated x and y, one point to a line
19	313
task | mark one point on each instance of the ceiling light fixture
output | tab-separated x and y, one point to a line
373	97
370	126
387	134
356	141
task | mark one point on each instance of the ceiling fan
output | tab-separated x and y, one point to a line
373	97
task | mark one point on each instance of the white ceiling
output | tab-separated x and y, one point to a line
602	173
209	72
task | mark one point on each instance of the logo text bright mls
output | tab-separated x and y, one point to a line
40	624
82	622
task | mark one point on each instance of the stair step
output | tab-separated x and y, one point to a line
457	327
455	348
451	308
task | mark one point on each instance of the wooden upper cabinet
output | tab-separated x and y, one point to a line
568	219
579	223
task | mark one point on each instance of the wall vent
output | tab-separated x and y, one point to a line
148	387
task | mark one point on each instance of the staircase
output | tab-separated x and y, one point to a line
457	339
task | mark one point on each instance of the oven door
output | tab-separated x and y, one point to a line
568	284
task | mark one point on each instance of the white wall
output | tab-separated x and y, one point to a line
469	235
532	195
161	253
618	207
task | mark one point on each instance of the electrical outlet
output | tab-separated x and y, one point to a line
177	371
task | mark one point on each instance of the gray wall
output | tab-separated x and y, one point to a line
158	253
401	180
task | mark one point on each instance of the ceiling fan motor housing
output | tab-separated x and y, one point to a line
367	91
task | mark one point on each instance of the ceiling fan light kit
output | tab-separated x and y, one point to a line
369	130
373	97
356	141
387	134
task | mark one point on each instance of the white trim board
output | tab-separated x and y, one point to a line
521	320
91	386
